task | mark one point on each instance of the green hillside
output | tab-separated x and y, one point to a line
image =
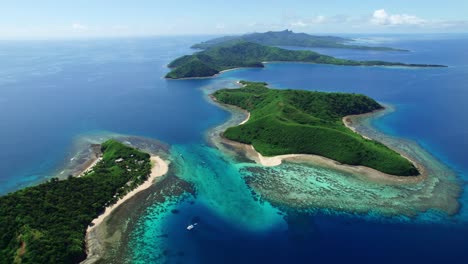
47	223
296	121
235	54
289	38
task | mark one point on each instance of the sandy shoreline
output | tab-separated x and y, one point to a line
247	119
367	172
349	124
212	76
357	189
300	62
93	246
89	167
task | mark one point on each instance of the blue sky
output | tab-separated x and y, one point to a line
103	18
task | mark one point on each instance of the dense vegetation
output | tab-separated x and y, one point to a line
47	223
289	38
235	54
295	121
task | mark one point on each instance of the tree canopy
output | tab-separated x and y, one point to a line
47	223
240	53
306	122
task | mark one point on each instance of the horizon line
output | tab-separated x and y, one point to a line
102	37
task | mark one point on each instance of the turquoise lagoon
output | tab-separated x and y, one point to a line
56	93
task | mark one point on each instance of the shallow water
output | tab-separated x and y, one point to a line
54	93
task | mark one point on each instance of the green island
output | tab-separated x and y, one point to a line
237	54
289	38
306	122
47	223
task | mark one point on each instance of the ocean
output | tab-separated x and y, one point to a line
52	93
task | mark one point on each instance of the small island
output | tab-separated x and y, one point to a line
237	54
305	122
47	223
289	38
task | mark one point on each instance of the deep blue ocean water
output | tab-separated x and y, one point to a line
54	92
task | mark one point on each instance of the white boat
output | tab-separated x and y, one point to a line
192	226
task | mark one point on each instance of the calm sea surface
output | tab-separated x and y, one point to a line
52	93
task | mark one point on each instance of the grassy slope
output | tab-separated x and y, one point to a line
236	54
295	121
289	38
50	219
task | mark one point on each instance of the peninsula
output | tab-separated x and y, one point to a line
305	122
47	223
237	54
289	38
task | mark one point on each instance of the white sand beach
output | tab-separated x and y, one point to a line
93	247
160	167
90	166
367	172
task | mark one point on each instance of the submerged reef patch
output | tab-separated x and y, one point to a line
306	186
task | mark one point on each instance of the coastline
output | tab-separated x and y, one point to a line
299	182
90	167
86	157
247	119
321	161
93	245
212	76
349	120
304	62
369	173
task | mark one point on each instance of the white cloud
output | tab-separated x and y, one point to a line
381	17
319	19
310	21
79	27
376	21
298	24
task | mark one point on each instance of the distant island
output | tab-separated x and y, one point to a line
305	122
236	54
47	223
289	38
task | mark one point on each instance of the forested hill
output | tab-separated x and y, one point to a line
235	54
289	38
47	223
305	122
